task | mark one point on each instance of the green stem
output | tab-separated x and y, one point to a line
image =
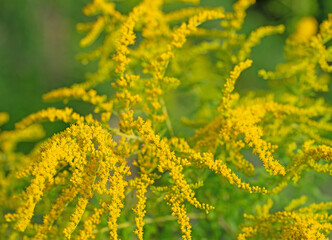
168	122
116	131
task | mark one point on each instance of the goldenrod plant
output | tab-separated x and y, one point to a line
125	172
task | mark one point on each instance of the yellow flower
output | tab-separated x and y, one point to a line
4	117
305	28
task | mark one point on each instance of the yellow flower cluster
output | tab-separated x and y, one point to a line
217	166
183	13
72	147
91	223
9	139
237	17
4	117
127	38
141	184
102	105
96	29
51	114
306	51
169	161
129	156
102	6
230	84
179	36
310	222
241	121
255	38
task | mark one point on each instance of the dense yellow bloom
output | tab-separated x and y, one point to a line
242	121
141	184
127	38
169	161
71	147
305	223
129	157
178	210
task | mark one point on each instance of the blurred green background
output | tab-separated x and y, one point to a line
39	42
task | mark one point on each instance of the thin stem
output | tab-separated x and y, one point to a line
168	122
116	131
